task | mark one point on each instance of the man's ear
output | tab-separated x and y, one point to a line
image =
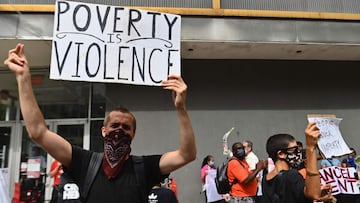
103	131
281	154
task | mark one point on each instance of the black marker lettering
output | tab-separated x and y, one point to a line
87	59
86	26
170	25
102	21
60	67
61	12
132	20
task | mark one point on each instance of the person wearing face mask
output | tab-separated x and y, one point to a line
284	183
243	179
208	174
351	158
115	181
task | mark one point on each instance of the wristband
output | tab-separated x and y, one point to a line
310	173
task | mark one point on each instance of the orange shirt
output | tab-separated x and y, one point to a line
240	172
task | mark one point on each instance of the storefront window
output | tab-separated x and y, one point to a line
96	139
72	133
32	170
63	99
5	133
98	100
7	106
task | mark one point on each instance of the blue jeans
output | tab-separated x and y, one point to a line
242	200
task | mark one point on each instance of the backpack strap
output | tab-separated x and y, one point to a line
139	167
94	165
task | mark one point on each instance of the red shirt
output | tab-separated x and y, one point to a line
58	172
240	172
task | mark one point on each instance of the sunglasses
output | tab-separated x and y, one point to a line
291	149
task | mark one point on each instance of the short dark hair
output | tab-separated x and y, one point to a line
352	149
300	144
277	142
122	110
236	145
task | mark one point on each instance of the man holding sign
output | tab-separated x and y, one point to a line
115	181
284	183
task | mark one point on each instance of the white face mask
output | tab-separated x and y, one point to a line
294	159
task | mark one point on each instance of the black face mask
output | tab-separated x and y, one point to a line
240	153
294	159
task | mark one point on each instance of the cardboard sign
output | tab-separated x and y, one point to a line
342	180
331	143
101	43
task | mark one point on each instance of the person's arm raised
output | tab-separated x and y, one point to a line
186	152
312	181
312	188
35	124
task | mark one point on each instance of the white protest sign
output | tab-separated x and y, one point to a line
33	168
4	185
102	43
211	192
331	143
226	150
342	180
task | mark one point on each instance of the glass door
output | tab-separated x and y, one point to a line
36	185
74	131
5	136
5	133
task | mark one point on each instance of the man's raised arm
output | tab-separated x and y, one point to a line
186	152
36	127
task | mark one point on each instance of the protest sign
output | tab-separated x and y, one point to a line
4	185
102	43
226	150
342	180
331	143
33	168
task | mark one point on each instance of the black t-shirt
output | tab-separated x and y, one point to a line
285	187
162	195
124	188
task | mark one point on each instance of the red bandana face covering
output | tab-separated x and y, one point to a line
116	149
